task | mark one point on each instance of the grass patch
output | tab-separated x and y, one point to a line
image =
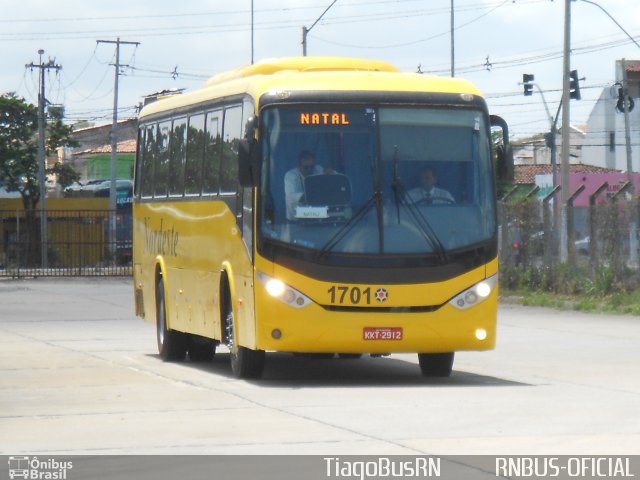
619	303
605	289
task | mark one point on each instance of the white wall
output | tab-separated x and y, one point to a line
604	121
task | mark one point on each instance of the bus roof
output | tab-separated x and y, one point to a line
311	74
303	64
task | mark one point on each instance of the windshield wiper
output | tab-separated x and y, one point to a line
425	227
375	199
346	228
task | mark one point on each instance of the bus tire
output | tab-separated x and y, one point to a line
245	362
436	364
201	349
172	345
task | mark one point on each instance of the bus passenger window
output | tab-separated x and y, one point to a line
148	154
211	164
195	154
161	177
232	135
177	157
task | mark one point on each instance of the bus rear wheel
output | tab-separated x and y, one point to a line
172	345
245	362
436	364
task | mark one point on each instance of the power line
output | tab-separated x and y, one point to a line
172	73
84	69
218	14
385	16
536	58
225	26
83	98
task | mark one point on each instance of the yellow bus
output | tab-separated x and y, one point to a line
290	206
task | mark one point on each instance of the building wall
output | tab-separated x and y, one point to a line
92	159
605	143
537	153
99	166
98	136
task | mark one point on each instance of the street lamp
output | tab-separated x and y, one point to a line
614	20
306	30
550	138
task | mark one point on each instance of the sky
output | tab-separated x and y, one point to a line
180	45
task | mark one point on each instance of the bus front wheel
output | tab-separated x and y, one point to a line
245	363
172	345
436	364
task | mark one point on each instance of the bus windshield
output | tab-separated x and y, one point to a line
375	180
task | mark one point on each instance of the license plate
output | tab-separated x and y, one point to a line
382	333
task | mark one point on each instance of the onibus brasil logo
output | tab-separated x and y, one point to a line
35	469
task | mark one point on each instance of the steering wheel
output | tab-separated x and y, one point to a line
435	200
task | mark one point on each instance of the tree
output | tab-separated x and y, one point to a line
503	184
19	147
65	174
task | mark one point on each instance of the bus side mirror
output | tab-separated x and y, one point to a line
504	153
248	162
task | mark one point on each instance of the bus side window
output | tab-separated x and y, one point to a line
138	163
161	176
177	145
146	168
232	134
211	164
195	155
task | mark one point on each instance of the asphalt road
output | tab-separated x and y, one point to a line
80	374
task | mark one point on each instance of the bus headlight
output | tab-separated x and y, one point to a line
476	294
275	287
283	292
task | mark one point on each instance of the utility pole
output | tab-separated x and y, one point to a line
627	132
306	30
252	26
633	239
114	147
453	46
42	166
566	135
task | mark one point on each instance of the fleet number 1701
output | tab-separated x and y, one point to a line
354	295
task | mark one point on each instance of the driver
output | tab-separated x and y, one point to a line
427	192
294	180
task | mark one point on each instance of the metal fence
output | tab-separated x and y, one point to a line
601	245
601	250
77	243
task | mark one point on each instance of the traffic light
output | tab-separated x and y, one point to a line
574	85
550	139
621	101
527	81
